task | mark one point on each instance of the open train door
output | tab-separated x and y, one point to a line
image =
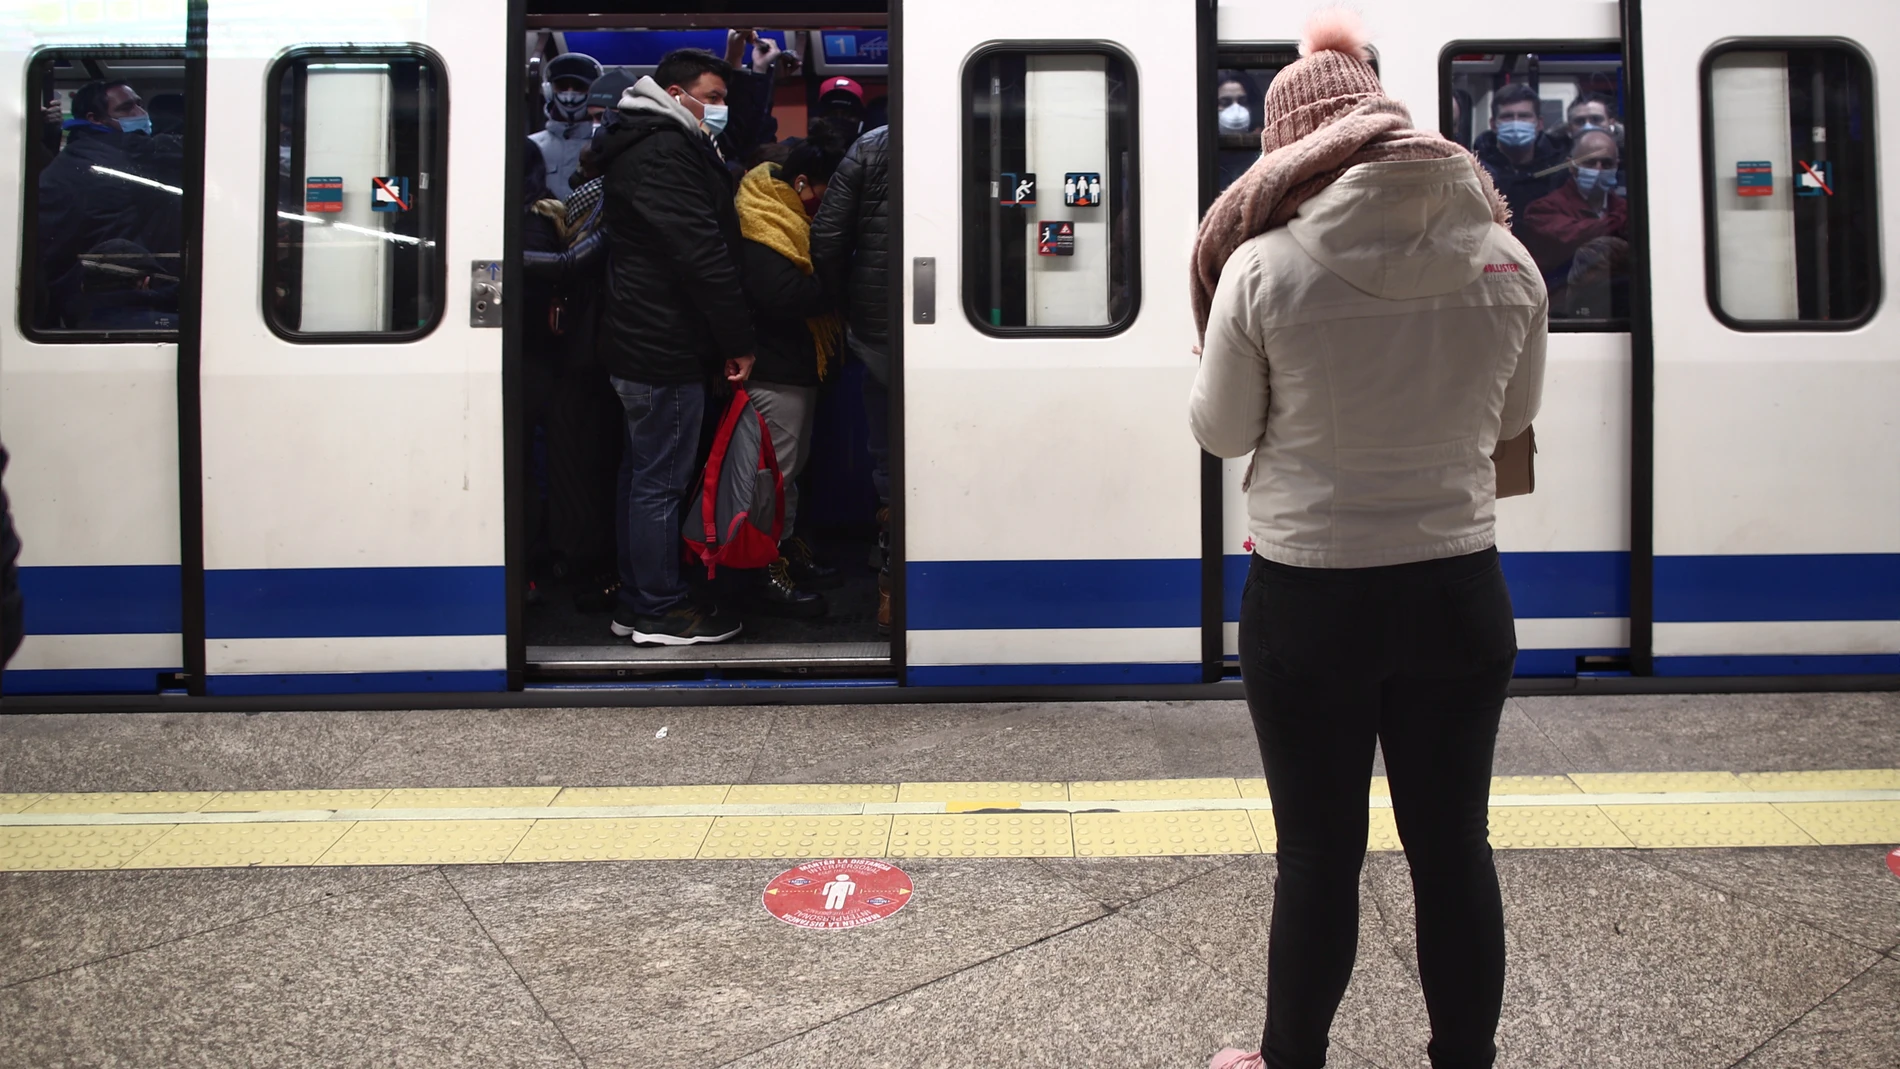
1777	364
351	365
1051	513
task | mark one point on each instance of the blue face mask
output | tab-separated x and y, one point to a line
1595	180
1517	133
140	125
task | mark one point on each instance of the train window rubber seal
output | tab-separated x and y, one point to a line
29	278
967	234
438	186
1711	275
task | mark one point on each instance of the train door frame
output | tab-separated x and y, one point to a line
516	476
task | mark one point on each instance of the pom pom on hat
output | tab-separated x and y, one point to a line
1336	29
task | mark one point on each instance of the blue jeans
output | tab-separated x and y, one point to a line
656	470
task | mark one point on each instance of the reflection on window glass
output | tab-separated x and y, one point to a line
1240	89
357	187
1049	190
1548	127
105	160
1791	184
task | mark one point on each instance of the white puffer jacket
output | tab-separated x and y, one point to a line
1371	354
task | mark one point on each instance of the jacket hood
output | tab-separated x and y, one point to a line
645	97
1401	230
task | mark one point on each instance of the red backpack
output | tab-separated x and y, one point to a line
739	513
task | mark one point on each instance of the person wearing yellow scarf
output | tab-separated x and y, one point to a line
800	336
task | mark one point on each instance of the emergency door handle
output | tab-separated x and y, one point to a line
484	294
923	289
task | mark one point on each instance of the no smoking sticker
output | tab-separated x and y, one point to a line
837	893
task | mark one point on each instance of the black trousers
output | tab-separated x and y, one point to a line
1414	658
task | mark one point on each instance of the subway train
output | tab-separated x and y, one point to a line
272	439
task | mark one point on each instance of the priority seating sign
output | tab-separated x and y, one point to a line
837	893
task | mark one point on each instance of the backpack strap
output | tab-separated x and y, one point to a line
715	462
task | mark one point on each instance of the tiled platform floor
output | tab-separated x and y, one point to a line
1764	957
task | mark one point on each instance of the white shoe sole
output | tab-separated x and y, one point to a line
643	638
620	629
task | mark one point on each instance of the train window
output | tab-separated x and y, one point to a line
1788	153
104	195
1546	121
1049	206
355	189
1242	75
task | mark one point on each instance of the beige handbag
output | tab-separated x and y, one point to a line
1517	471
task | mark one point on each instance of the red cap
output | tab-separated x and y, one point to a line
841	84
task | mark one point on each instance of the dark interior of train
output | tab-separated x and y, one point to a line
798	76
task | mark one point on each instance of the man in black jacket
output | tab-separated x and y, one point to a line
1524	161
115	181
850	242
674	318
12	608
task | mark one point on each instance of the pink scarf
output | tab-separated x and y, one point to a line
1378	130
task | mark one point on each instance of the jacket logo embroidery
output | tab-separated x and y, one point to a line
1492	269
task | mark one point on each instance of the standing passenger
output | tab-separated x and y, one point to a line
1370	339
565	82
1524	161
800	341
674	318
850	242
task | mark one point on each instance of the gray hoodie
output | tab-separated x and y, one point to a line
1370	354
645	97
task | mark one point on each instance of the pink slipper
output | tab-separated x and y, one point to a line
1235	1059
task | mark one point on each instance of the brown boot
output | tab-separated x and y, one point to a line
884	603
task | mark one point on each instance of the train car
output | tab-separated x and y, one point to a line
275	381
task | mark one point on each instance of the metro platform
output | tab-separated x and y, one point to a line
1689	881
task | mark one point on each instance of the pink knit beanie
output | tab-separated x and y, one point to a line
1334	77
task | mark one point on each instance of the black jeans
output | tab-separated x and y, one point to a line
1414	658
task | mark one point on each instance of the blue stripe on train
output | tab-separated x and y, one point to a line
1012	594
102	599
357	683
1831	664
1543	585
1790	586
1020	675
354	602
18	681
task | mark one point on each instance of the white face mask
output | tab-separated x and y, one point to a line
1235	118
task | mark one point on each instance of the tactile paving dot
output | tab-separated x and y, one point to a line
271	801
1380	787
1253	787
427	842
13	803
466	797
1655	782
998	791
1846	823
616	839
1736	824
839	836
123	802
986	835
1382	831
1861	779
1147	790
1553	827
1533	785
1216	831
237	846
1264	830
792	793
43	849
702	794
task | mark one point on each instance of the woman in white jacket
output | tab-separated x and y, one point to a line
1370	331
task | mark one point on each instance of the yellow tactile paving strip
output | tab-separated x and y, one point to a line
987	819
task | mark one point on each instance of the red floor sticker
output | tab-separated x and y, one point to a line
1893	860
837	893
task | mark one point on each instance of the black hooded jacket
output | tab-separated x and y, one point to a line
674	308
12	609
850	238
1522	185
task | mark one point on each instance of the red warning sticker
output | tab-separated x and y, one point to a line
837	893
1893	861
